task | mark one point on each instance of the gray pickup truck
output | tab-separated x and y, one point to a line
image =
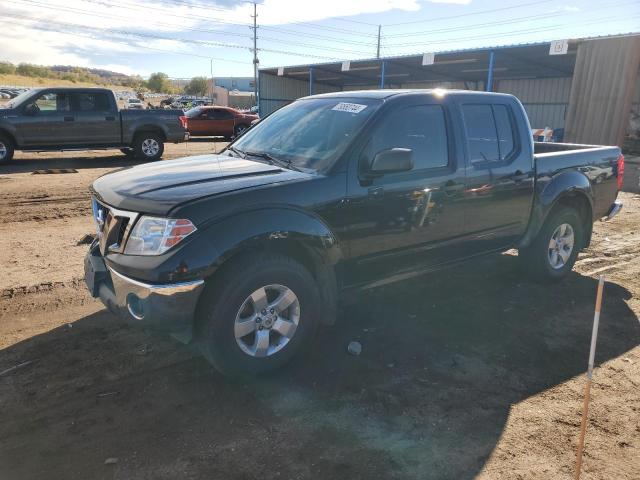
85	118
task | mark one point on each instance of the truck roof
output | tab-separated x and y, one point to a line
71	89
387	93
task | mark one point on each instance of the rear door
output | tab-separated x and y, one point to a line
499	174
96	119
222	122
50	124
403	222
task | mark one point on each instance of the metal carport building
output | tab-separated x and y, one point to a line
586	88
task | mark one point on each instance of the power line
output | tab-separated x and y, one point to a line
84	12
482	12
179	40
526	18
506	34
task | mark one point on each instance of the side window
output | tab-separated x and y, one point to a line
490	136
421	128
505	133
53	102
90	102
482	138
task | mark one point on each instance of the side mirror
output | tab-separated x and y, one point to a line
392	161
31	109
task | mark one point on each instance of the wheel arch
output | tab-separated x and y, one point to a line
142	129
571	189
9	135
293	233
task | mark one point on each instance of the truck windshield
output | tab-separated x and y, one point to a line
19	99
309	133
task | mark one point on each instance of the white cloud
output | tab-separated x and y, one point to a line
24	39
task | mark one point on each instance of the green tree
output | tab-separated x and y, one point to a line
6	67
197	86
159	82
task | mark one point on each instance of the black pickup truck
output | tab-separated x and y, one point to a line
85	119
247	252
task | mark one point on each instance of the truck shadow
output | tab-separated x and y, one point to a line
107	159
443	360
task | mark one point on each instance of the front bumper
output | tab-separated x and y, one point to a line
166	307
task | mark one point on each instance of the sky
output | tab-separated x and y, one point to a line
186	38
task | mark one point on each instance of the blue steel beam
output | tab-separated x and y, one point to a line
489	86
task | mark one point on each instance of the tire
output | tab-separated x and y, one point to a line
226	301
6	150
128	152
538	259
148	146
239	130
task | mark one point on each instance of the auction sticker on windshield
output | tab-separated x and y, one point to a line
349	107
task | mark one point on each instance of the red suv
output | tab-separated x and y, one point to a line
218	121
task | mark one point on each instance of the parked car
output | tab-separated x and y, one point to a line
248	252
84	118
135	104
218	121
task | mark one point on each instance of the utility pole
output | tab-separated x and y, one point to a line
378	51
255	51
212	89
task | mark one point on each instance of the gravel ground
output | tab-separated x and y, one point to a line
471	372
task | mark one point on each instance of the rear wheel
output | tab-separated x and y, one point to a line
552	254
6	150
258	314
148	146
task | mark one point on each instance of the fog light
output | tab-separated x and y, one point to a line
135	306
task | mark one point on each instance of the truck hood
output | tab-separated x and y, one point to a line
156	188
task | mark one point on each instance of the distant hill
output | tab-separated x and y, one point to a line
40	74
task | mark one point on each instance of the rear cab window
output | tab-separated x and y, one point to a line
491	133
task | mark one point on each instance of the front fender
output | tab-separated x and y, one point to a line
549	192
262	227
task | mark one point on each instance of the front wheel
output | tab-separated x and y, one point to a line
239	130
552	254
148	146
6	150
257	315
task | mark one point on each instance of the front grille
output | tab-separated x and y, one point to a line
112	225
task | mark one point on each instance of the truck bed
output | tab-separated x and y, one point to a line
598	164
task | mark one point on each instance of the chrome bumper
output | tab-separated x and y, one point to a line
614	210
167	307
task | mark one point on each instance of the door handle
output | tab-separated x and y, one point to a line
110	118
519	176
375	191
68	119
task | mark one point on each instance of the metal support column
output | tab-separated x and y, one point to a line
382	69
310	80
489	85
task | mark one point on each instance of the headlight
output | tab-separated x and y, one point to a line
154	236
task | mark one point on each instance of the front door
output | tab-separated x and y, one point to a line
47	121
404	222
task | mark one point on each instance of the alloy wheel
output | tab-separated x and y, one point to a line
267	320
561	246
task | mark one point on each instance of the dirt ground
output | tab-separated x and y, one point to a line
468	373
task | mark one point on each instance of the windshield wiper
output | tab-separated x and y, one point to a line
273	160
240	153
